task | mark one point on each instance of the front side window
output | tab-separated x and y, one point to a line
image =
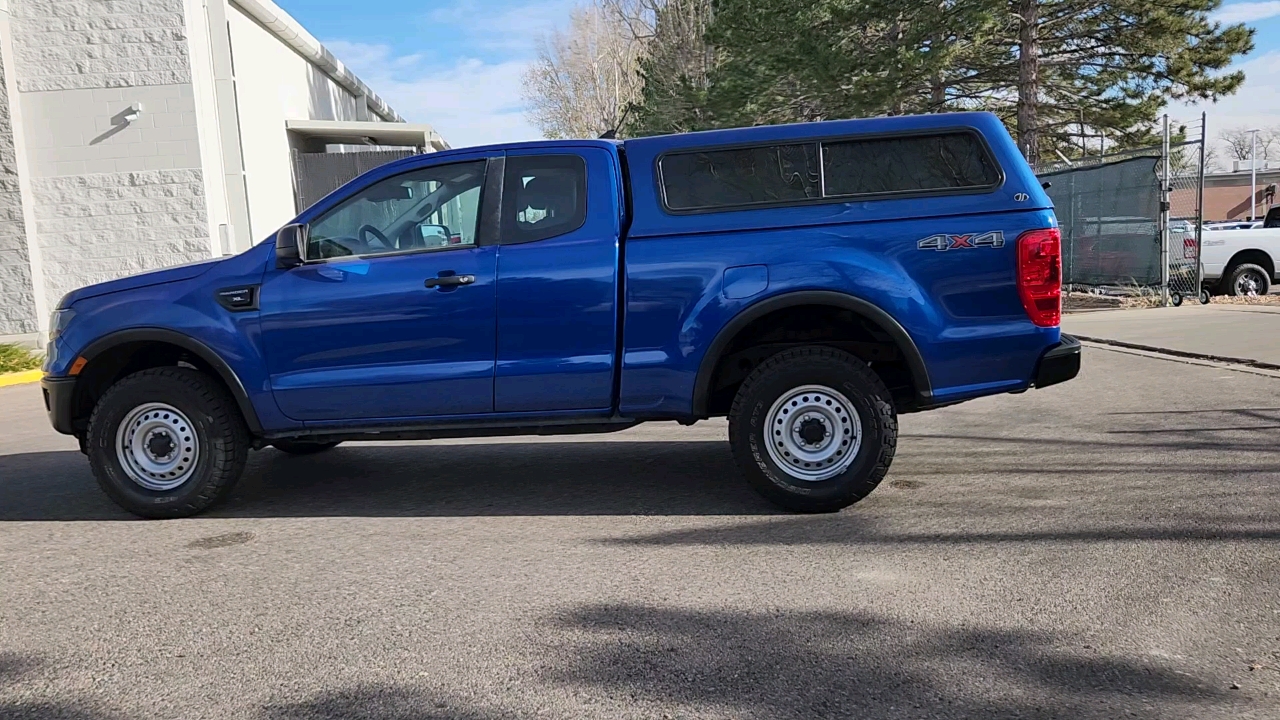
544	196
739	177
431	208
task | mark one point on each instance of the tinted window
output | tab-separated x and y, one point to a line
425	209
907	164
746	176
544	196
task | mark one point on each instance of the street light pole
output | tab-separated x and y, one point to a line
1253	174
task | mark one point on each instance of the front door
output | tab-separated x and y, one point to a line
392	314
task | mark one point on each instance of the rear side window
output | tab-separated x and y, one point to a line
544	196
747	176
907	164
799	173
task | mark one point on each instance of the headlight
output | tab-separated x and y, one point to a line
59	320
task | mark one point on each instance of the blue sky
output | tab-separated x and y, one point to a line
457	64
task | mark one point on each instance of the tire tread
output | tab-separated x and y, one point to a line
884	416
228	462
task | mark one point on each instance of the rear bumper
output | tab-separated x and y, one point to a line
1059	363
58	393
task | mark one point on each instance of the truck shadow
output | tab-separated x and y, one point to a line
495	479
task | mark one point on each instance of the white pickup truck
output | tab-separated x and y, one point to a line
1240	262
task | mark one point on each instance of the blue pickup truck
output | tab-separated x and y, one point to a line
810	282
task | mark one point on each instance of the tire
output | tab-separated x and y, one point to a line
1204	297
302	447
815	375
1246	275
130	426
1175	299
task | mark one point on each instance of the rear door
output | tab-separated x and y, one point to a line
558	280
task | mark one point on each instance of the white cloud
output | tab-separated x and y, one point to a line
469	101
1256	103
468	88
1247	12
511	29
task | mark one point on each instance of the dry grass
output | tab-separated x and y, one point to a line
1248	300
15	358
1088	301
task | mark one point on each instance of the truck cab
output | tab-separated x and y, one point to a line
809	282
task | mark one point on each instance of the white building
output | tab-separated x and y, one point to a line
136	134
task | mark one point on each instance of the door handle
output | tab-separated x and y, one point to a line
449	280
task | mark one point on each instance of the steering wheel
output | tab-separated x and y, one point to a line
386	244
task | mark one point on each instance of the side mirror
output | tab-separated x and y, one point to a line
433	234
291	246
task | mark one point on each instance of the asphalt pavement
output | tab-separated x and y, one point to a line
1106	548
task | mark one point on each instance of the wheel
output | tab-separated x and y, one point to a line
813	429
1175	299
1204	297
167	442
1248	279
302	447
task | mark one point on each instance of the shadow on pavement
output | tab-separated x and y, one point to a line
542	478
844	530
378	702
855	664
13	668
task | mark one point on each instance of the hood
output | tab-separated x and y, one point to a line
152	277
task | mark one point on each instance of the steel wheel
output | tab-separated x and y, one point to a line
157	447
814	433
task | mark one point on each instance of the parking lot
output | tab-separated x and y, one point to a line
1105	548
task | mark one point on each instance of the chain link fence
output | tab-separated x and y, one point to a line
1131	220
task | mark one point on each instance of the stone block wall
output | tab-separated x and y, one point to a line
17	303
113	196
101	226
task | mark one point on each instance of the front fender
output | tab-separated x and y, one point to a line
185	314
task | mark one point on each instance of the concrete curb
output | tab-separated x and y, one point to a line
1183	353
1186	358
20	378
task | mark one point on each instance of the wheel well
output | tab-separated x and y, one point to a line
1256	257
798	325
114	363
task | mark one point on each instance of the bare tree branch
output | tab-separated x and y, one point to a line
585	76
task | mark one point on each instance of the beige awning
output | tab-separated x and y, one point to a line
392	134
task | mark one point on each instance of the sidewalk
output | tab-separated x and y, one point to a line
1250	332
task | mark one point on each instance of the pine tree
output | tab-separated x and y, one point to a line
1049	68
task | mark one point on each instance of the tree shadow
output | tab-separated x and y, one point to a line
491	479
13	668
857	664
379	702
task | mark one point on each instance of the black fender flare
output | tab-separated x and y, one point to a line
886	322
190	344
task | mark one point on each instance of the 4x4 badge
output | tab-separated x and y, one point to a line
943	243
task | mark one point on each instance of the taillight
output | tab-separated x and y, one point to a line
1189	248
1040	275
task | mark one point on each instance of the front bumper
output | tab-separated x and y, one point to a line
58	395
1059	363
